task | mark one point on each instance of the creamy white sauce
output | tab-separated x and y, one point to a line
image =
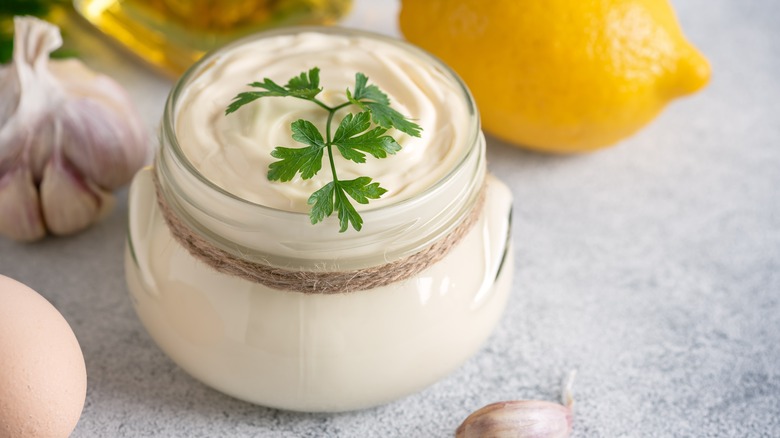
234	151
319	352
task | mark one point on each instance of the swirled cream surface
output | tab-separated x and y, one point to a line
234	151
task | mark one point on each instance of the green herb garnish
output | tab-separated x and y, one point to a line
355	137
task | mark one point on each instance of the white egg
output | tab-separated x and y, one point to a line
43	380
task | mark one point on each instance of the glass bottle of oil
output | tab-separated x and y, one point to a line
172	34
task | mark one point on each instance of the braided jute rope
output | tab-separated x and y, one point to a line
313	282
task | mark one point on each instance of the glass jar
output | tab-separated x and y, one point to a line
173	34
318	352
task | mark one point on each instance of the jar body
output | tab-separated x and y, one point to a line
312	351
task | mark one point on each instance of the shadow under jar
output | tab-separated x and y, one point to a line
311	351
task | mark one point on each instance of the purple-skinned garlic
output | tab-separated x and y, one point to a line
522	418
68	138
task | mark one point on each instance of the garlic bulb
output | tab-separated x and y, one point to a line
68	137
522	418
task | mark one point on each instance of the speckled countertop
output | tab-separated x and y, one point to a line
652	267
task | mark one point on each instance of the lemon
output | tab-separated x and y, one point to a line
561	75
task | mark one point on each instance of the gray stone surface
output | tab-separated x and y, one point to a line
652	267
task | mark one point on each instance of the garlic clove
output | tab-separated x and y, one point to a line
8	88
41	143
20	213
12	140
522	418
518	419
107	201
112	134
107	149
11	151
69	204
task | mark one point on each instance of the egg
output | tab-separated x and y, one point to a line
43	379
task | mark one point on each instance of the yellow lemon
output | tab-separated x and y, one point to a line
561	75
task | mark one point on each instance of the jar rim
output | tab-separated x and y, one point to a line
168	125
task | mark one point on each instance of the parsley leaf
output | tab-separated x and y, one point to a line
373	100
322	203
334	195
307	161
304	86
361	189
354	138
387	117
347	213
370	92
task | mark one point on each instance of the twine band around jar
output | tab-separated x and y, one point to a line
314	282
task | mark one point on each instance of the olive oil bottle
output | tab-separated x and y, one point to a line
172	34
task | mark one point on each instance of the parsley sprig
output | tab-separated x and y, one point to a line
357	134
